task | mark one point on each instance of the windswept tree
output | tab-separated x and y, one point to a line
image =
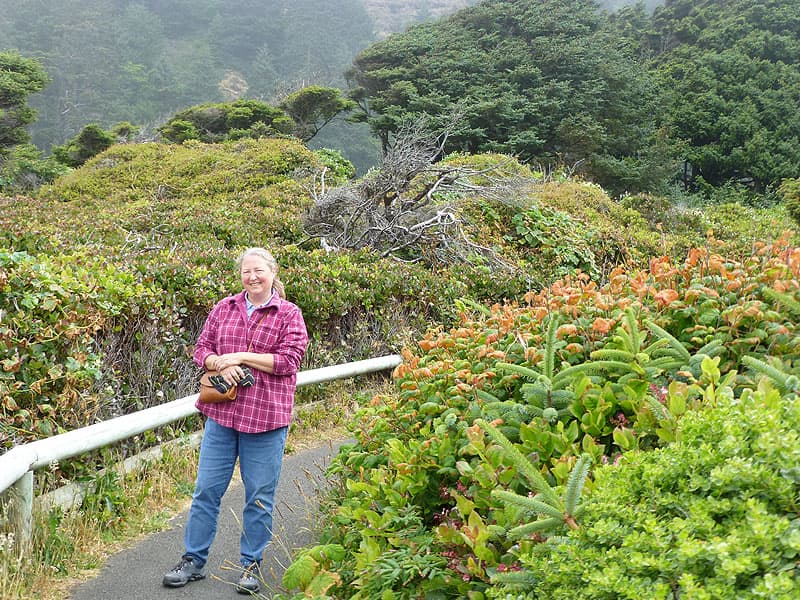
409	207
215	122
545	81
313	107
19	78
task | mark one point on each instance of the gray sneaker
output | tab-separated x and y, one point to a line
182	573
250	581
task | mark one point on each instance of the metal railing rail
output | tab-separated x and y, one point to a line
18	464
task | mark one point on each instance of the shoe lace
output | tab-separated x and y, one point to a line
179	567
251	570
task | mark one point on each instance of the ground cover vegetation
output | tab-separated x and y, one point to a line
99	314
636	439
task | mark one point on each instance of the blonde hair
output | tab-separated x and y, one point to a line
277	284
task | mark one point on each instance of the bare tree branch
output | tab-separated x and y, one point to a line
407	208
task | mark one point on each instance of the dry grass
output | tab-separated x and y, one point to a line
69	546
72	547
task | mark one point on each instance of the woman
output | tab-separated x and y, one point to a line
259	329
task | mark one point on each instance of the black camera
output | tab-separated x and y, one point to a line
223	386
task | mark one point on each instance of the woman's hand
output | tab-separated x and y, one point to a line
229	366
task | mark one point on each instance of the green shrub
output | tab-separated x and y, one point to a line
714	516
580	371
216	122
789	192
340	169
24	169
91	140
741	226
53	310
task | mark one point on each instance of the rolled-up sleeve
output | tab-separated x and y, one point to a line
292	346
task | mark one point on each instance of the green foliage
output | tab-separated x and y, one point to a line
560	226
639	358
309	571
711	517
619	234
561	242
92	140
545	393
558	512
783	301
748	225
139	61
24	169
789	191
216	122
728	74
664	216
540	81
784	382
313	107
341	169
20	77
51	311
694	93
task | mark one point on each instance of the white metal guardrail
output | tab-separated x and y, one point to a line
18	464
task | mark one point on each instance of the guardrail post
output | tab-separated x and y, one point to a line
20	510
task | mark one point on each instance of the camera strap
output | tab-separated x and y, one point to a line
255	329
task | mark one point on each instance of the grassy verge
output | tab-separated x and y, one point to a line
70	547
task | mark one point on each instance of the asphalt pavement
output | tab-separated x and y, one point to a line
135	573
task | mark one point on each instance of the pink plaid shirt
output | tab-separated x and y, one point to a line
268	404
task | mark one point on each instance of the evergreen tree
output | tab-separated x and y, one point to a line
19	78
545	81
729	73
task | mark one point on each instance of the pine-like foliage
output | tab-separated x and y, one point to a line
786	383
558	507
546	395
789	302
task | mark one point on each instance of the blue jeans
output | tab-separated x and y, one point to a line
260	458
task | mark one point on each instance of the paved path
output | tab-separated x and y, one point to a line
135	573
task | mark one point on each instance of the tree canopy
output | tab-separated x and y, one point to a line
624	98
729	75
314	107
545	81
19	78
214	122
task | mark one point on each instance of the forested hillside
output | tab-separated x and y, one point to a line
111	61
703	94
141	61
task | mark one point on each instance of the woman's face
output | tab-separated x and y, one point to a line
257	276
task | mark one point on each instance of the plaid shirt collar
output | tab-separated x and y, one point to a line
251	307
